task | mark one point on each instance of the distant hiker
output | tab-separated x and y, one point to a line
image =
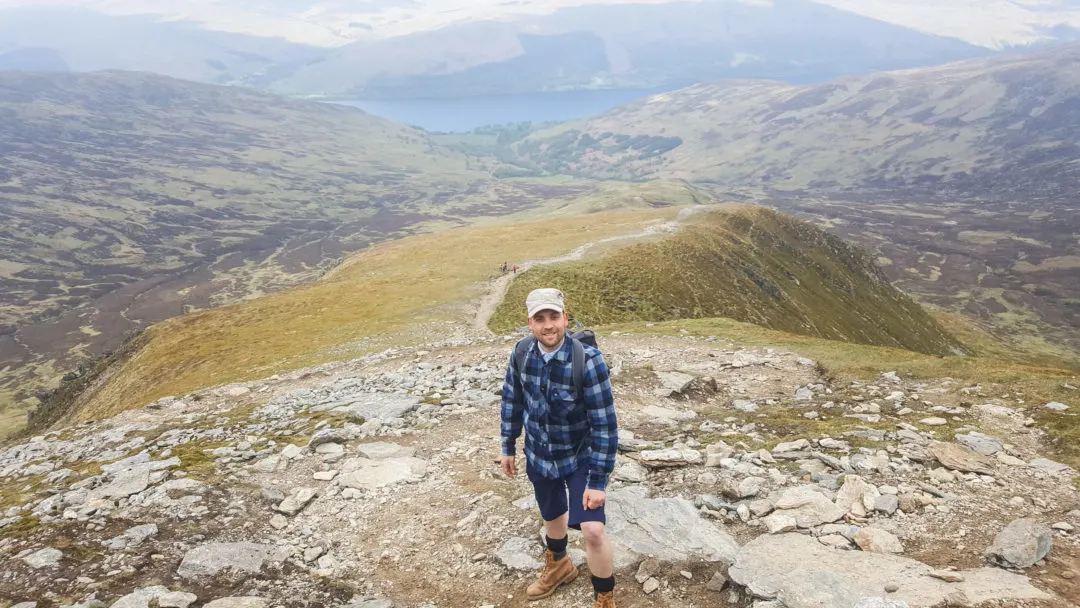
515	268
504	268
557	390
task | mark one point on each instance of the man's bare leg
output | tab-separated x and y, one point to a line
558	527
597	549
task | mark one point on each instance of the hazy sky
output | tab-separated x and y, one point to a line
991	23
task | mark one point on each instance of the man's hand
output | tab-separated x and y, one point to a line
509	467
593	499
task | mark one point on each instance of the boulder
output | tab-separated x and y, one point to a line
383	451
519	553
370	474
328	436
1021	544
800	572
983	444
808	506
665	415
857	496
43	558
212	558
669	457
140	598
669	529
296	501
676	382
1050	466
961	458
238	602
876	540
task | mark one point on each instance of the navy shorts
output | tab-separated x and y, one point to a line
552	497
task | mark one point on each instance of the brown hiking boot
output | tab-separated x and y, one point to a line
555	573
605	600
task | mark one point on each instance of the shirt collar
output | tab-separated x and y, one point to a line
563	354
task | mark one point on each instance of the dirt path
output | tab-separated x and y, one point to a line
499	286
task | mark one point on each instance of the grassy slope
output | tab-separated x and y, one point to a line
390	289
750	264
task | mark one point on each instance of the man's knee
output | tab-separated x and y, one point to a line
594	532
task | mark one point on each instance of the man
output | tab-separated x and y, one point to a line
570	444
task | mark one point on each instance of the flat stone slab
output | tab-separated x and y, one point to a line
961	458
800	572
520	554
210	559
238	602
383	450
43	558
373	406
370	474
669	529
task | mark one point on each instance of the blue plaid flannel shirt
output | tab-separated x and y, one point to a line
563	431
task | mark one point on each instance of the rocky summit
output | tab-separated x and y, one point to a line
747	477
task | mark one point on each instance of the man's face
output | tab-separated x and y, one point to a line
549	326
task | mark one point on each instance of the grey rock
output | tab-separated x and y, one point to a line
176	599
983	444
630	471
43	558
777	523
370	474
804	394
291	452
272	495
1021	544
647	569
519	554
212	558
1054	468
670	457
961	458
327	436
665	415
140	598
296	501
650	586
377	406
330	449
856	496
887	503
744	405
675	381
1063	526
383	451
238	602
1057	406
377	603
25	605
876	540
133	537
808	506
934	421
807	574
791	446
717	582
669	529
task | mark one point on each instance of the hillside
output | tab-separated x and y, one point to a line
749	264
129	198
998	128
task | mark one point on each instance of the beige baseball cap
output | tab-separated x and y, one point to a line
546	298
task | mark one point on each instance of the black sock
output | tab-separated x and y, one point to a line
557	546
603	585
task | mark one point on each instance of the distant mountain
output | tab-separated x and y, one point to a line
623	46
55	38
567	45
999	128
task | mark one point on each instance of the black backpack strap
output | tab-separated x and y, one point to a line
579	366
521	351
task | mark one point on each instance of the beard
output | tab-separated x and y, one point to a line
551	340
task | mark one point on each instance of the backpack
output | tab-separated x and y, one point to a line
577	340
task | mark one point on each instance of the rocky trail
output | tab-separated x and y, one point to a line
373	483
498	287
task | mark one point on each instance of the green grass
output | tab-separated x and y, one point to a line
750	264
383	293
